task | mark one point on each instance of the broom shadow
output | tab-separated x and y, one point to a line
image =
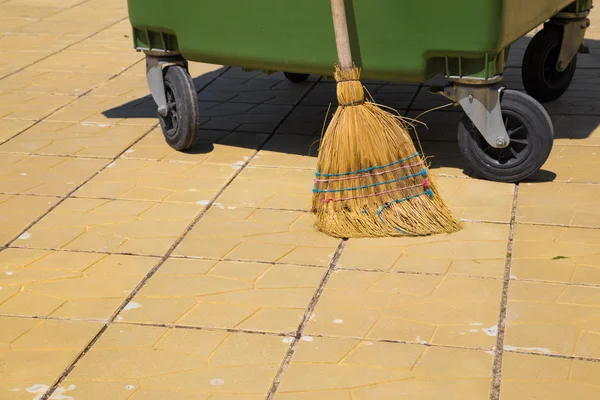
300	132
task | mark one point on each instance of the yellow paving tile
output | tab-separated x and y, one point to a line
107	110
73	83
83	139
138	227
258	235
408	307
193	364
68	285
579	130
30	106
477	250
158	181
553	318
477	200
16	212
271	188
217	147
47	42
289	151
347	369
569	204
529	377
571	163
557	254
45	175
87	62
255	296
34	353
11	127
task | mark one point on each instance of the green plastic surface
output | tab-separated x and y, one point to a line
398	40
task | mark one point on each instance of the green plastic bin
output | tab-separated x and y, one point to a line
393	40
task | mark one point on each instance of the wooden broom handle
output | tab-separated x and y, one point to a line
342	39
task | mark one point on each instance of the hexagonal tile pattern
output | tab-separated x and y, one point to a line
477	250
569	204
258	235
412	308
34	354
67	285
556	254
529	377
206	293
178	363
344	369
553	318
138	227
158	181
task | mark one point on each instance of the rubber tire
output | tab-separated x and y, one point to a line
540	136
296	78
533	65
186	99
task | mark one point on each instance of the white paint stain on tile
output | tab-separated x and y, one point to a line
473	330
476	324
112	164
132	306
368	343
23	174
25	236
491	331
231	208
312	316
119	318
535	349
513	277
129	387
491	352
217	382
338	321
192	190
14	390
70	183
9	273
203	202
462	333
287	340
307	338
129	151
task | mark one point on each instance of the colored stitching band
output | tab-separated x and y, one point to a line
422	173
360	171
424	184
374	174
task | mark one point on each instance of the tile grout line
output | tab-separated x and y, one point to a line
110	161
309	311
168	253
499	351
63	49
75	98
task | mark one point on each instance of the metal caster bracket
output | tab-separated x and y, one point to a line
574	28
481	103
154	76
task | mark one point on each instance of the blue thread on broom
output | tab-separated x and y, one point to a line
422	173
360	171
428	192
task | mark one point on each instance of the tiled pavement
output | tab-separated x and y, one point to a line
131	271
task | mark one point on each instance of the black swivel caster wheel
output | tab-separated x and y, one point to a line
531	136
541	79
180	125
295	78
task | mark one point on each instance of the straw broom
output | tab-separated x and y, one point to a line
371	180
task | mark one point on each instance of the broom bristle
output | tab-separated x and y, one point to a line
371	180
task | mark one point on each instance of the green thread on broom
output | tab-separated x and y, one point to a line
422	173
